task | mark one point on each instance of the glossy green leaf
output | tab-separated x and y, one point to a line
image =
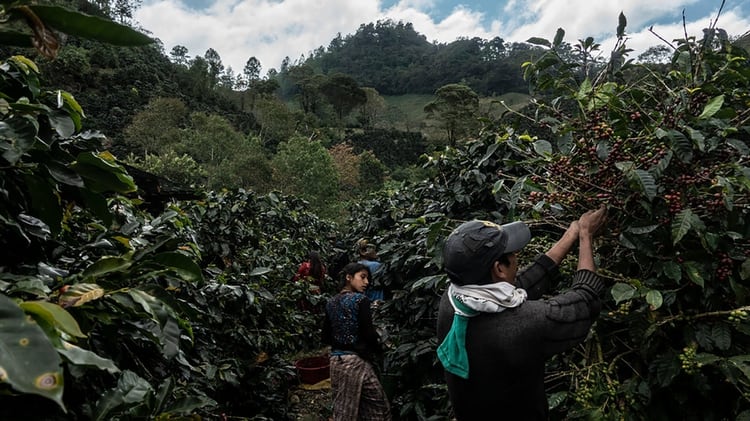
21	133
106	265
61	173
646	183
643	229
741	146
260	271
131	389
712	107
80	356
152	305
181	264
62	123
102	173
682	223
693	273
543	148
622	292
672	270
169	336
54	315
654	299
87	26
28	361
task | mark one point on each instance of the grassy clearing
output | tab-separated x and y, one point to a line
406	112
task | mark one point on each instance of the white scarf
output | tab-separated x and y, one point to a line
490	298
469	301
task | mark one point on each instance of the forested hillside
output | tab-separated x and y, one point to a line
171	113
395	60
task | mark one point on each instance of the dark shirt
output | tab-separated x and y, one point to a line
507	351
348	325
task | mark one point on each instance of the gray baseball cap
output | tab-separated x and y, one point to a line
473	247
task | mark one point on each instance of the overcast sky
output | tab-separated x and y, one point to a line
273	29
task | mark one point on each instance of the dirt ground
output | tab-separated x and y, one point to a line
311	402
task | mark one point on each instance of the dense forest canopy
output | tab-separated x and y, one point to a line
395	59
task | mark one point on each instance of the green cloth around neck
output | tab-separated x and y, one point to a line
452	352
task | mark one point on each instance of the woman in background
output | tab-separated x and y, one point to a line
348	328
312	269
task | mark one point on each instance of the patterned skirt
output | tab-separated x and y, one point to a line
357	392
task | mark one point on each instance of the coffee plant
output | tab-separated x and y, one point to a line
666	151
108	311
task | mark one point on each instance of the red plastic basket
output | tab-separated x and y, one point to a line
313	370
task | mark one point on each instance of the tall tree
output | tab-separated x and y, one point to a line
304	168
373	107
252	69
456	107
307	85
215	67
179	55
157	128
343	93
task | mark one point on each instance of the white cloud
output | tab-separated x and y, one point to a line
273	29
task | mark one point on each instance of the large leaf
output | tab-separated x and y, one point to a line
646	183
106	265
181	264
79	294
543	148
102	173
54	315
87	26
682	223
131	389
654	299
80	356
713	106
164	316
28	361
20	133
622	291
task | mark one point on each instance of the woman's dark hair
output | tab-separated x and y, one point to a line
316	265
351	269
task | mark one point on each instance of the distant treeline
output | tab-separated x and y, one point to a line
394	59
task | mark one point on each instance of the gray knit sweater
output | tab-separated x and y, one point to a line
507	351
